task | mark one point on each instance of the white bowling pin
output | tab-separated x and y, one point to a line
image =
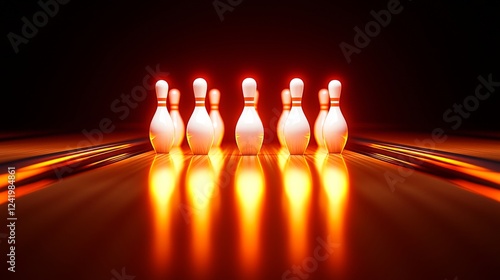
296	130
174	96
199	131
249	130
335	126
324	106
161	129
286	99
214	97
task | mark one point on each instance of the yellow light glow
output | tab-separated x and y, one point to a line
178	158
282	158
335	179
200	190
297	188
162	181
249	190
217	158
319	157
335	182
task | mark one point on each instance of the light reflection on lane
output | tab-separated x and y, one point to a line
282	156
441	161
297	199
319	158
245	233
200	191
48	165
36	173
162	186
335	184
249	192
179	158
217	157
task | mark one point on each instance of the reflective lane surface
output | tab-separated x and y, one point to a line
357	216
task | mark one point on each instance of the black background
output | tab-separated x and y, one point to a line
428	58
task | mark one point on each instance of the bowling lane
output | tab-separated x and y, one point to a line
17	146
480	144
225	216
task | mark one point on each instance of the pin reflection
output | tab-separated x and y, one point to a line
297	184
249	190
217	156
162	181
217	159
282	155
200	192
178	158
335	181
319	158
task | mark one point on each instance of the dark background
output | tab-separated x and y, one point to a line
428	58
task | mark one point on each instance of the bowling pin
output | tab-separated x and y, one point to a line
335	126
199	131
218	124
296	130
324	102
249	132
174	96
286	99
161	129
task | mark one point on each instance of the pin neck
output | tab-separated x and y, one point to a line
335	102
162	101
286	107
199	101
296	101
214	107
249	101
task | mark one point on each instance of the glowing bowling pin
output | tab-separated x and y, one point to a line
286	99
324	102
296	129
335	126
161	129
249	130
199	131
174	96
218	124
